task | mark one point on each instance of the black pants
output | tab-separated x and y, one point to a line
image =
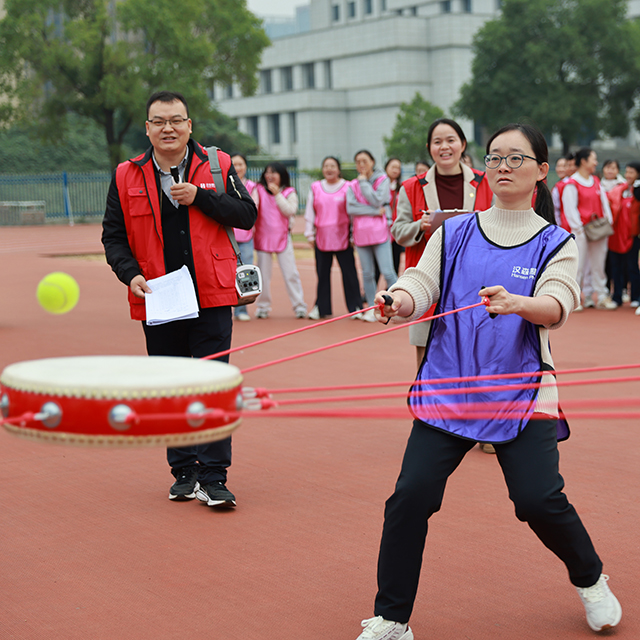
530	467
324	260
624	269
197	337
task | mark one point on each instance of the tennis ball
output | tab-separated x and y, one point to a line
58	292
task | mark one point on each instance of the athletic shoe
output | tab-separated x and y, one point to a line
635	304
380	629
487	447
216	494
243	317
589	303
261	314
638	311
606	303
602	607
186	484
301	313
357	316
625	296
578	308
369	316
314	314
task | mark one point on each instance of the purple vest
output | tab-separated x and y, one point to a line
470	343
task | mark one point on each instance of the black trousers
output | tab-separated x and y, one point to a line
197	337
324	260
530	467
624	269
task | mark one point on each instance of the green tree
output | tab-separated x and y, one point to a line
570	66
409	135
101	59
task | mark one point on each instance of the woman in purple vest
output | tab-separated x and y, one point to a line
328	230
526	266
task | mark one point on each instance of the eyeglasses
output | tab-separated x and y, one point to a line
160	123
513	160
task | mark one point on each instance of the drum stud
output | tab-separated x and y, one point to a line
50	415
4	405
196	410
120	417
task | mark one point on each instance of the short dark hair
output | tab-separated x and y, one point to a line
453	124
281	170
582	154
239	155
167	96
606	163
335	160
366	153
634	165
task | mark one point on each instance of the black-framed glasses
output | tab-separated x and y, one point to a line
513	160
160	123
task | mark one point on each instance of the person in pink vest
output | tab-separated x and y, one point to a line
583	197
277	203
328	230
368	205
244	237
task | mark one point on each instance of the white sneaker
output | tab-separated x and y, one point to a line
635	304
314	314
625	296
578	308
262	314
243	316
301	313
602	607
380	629
606	303
369	316
357	316
589	303
638	311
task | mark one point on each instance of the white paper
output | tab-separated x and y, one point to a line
173	297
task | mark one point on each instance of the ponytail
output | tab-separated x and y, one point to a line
544	203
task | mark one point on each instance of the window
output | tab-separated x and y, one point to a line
383	5
274	128
308	74
228	91
265	81
445	6
368	7
466	6
293	128
414	11
328	79
252	126
335	12
287	78
351	9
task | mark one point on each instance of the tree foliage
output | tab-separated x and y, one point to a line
101	59
570	66
409	135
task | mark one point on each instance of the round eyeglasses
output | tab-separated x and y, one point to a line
513	160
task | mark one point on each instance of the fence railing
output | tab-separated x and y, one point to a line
80	197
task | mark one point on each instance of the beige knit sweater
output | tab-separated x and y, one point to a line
507	229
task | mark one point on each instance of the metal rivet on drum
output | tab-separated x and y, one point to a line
50	415
118	417
239	402
4	405
196	409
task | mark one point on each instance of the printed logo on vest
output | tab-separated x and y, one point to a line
524	273
207	185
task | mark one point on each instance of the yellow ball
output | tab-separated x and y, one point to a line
58	292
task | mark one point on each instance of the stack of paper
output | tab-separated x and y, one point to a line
173	297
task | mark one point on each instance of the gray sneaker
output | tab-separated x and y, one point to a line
602	607
216	494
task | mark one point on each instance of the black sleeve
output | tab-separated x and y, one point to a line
114	238
636	189
235	208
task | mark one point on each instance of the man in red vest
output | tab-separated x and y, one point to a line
154	225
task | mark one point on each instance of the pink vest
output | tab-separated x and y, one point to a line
272	228
368	230
244	235
332	221
589	201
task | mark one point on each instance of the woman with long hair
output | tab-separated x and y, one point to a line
277	203
525	265
448	184
328	230
393	169
368	205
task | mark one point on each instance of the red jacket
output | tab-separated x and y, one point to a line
414	188
625	212
213	255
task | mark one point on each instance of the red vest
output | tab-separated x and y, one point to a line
213	255
589	201
560	185
414	190
625	217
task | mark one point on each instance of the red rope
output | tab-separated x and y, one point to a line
351	340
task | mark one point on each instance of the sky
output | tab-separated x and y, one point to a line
264	8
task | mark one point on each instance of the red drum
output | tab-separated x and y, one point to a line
121	400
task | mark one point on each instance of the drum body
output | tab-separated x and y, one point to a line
121	400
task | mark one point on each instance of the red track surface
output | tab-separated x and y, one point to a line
91	548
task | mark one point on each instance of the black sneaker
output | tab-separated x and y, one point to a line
216	494
186	484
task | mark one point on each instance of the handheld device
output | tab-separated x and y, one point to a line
248	283
176	174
